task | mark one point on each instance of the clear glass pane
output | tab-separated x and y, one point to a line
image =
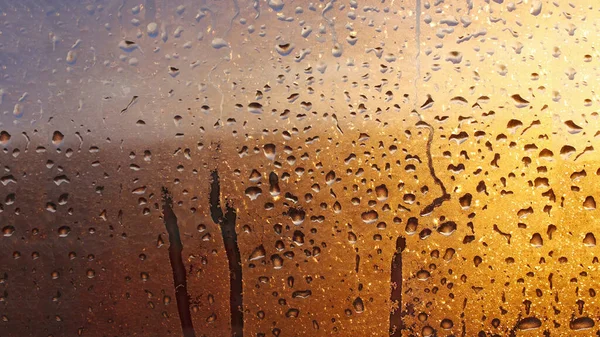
297	168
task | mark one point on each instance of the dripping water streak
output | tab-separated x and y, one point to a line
215	194
396	295
228	230
133	100
257	9
445	196
179	271
217	88
331	23
417	56
236	7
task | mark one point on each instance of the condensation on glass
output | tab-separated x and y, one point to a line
299	168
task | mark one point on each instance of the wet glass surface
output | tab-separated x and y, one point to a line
299	168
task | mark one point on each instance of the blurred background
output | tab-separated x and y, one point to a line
299	168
